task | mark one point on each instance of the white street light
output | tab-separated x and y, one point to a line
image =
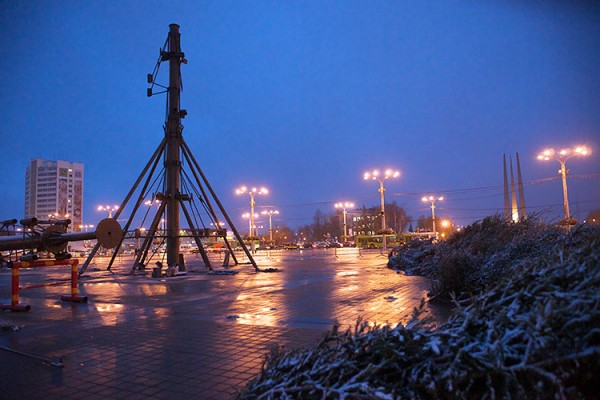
250	221
270	213
380	177
110	209
58	216
432	200
344	206
562	156
86	227
157	203
251	192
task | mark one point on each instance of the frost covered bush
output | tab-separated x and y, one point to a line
480	255
535	334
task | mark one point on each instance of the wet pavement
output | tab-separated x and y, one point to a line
196	336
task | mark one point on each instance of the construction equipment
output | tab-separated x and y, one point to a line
51	236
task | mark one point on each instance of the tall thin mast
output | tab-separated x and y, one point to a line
173	131
522	208
514	208
506	196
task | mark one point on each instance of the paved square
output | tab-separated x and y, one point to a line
196	336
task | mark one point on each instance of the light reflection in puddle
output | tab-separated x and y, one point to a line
264	305
153	290
108	307
256	319
347	273
108	312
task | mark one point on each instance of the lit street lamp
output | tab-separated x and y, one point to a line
149	203
157	203
109	209
250	222
562	156
344	206
251	192
86	227
270	213
58	216
432	200
377	176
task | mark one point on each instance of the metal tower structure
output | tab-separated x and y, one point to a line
522	207
512	210
174	189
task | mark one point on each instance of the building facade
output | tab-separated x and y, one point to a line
54	189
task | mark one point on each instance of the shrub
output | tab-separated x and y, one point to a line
535	334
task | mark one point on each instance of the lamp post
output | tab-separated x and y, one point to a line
157	203
562	156
432	200
251	192
344	206
85	227
110	209
381	177
250	222
270	213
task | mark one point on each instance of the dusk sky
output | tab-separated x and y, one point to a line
303	97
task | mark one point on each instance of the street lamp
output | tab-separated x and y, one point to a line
58	216
380	177
251	192
157	203
344	206
562	156
149	203
86	227
432	200
270	213
110	209
250	222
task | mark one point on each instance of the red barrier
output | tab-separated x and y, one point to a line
74	297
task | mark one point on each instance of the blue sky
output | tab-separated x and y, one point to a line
304	96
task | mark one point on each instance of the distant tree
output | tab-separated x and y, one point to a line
370	219
319	228
324	227
282	234
424	223
396	217
305	233
368	222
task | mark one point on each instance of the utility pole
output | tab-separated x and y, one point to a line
173	132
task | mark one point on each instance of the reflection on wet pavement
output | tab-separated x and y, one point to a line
198	335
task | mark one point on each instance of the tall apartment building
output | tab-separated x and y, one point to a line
54	189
